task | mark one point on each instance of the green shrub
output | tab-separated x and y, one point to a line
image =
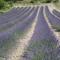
45	1
13	0
55	1
31	1
2	4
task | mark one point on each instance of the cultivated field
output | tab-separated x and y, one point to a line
30	33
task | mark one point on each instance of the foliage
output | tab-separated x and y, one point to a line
2	3
11	2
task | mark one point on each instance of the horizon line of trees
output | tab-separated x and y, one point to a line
10	2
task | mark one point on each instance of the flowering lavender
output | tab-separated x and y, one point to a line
9	39
42	43
18	19
55	12
12	16
52	19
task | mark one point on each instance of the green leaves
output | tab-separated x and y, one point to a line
2	3
45	1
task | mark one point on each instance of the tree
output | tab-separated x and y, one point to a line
2	3
55	1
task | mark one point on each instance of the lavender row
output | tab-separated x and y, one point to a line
42	43
25	19
57	13
20	27
13	10
16	11
19	19
6	20
52	19
9	13
42	29
15	26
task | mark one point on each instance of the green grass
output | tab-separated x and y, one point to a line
6	8
8	4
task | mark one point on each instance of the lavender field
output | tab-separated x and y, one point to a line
57	13
25	34
53	19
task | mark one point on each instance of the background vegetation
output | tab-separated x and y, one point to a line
6	4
